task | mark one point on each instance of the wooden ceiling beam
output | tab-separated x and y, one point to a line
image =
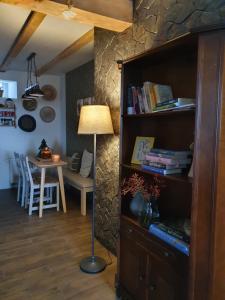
29	27
74	47
116	16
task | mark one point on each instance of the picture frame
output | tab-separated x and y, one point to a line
143	145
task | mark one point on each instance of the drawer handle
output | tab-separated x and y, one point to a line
152	287
130	230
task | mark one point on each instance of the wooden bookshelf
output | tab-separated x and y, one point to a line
145	269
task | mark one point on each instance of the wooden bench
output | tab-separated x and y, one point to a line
84	185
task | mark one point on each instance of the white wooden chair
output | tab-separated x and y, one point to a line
34	189
21	180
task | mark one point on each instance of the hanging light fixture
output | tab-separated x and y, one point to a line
32	89
68	13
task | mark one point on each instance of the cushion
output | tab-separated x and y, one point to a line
86	163
74	164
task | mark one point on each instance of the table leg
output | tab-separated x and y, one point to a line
61	183
41	192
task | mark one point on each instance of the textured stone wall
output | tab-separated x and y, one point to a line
79	84
155	22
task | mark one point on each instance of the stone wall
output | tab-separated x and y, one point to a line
156	21
79	84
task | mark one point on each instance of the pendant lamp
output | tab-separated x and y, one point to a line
32	89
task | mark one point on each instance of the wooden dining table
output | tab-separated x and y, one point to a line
43	165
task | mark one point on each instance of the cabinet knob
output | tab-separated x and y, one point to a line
130	230
152	287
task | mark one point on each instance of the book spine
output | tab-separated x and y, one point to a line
135	100
167	161
140	100
145	101
162	171
172	105
165	166
178	244
166	102
147	94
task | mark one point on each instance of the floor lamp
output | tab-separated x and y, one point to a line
94	119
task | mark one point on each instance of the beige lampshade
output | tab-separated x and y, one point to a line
95	119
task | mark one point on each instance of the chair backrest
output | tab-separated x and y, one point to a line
26	168
19	165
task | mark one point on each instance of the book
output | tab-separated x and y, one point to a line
168	160
142	146
171	101
162	92
172	153
162	171
140	100
135	99
145	101
165	107
148	86
164	166
185	101
171	240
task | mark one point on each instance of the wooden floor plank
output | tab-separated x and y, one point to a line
39	258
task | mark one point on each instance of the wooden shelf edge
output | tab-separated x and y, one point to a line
160	113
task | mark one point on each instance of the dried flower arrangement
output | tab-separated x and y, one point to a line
136	183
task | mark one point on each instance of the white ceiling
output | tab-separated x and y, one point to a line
52	36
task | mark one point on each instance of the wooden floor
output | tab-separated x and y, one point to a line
39	258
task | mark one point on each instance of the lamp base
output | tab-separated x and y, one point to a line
92	264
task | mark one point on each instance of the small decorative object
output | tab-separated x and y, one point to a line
27	123
145	195
49	91
55	157
30	104
47	114
141	148
45	152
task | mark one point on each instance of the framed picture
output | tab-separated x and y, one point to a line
142	146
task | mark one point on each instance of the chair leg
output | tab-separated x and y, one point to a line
18	190
31	201
23	193
57	196
51	194
26	194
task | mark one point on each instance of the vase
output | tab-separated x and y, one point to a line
137	204
146	215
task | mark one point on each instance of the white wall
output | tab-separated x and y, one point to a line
14	139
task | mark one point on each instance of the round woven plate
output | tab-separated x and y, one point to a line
30	104
27	123
47	114
49	91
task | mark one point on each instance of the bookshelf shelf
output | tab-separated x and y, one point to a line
178	177
160	113
182	64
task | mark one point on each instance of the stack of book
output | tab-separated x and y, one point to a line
167	162
171	236
154	97
174	104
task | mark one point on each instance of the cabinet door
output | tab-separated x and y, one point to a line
164	282
133	268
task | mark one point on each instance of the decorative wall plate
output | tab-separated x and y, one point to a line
49	91
27	123
30	104
47	114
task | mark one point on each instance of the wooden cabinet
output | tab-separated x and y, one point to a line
149	270
193	65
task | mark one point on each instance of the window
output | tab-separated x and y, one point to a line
9	88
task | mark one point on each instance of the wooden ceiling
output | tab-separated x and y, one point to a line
111	15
